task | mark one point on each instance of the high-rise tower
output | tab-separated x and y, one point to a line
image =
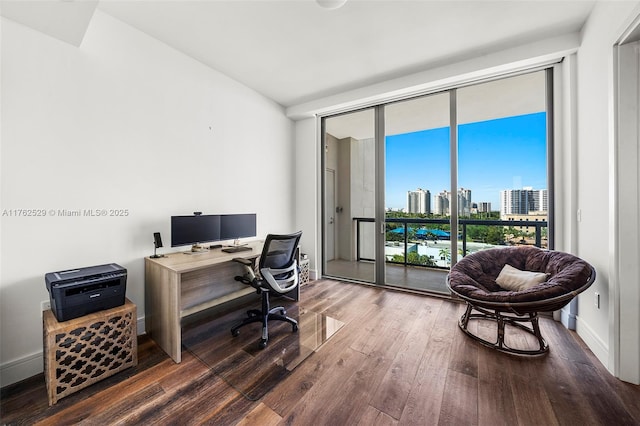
419	201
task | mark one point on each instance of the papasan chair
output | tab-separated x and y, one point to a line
510	285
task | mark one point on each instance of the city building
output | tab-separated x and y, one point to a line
523	201
534	216
481	207
419	201
442	202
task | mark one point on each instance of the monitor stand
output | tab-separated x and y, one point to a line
237	243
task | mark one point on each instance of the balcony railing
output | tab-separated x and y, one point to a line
438	234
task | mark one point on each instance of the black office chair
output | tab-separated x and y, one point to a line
277	272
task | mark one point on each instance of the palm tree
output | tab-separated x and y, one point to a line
445	254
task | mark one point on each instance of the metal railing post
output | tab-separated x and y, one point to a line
406	238
464	239
358	240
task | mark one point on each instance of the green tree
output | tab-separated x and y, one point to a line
477	232
495	235
445	254
418	259
413	258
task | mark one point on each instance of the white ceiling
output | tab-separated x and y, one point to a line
295	51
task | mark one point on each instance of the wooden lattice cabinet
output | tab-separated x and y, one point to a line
85	350
304	271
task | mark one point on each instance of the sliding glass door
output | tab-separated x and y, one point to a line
350	196
417	174
503	145
412	186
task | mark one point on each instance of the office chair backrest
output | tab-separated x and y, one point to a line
279	250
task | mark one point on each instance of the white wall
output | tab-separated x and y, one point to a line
121	122
595	139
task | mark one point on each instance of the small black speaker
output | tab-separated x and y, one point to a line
157	240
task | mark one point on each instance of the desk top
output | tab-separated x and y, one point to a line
185	261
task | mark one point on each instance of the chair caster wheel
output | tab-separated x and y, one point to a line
235	333
262	344
294	327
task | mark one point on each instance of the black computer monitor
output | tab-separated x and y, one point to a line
191	230
233	226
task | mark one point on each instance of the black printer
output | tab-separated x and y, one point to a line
81	291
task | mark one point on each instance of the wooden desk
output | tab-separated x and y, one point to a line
182	284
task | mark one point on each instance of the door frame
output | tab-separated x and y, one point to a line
624	202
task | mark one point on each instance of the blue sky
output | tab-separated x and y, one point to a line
505	153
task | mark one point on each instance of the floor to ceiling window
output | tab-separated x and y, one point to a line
417	166
502	162
458	171
349	196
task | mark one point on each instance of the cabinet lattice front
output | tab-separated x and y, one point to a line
85	350
304	271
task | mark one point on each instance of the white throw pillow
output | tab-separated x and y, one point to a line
514	279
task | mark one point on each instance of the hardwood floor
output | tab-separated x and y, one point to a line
400	359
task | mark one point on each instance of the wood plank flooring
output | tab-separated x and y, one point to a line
400	359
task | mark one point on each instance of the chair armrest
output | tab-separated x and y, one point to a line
281	285
249	276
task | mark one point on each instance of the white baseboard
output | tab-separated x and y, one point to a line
140	325
20	369
599	348
30	365
313	274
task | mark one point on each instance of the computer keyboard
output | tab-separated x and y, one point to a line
236	249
